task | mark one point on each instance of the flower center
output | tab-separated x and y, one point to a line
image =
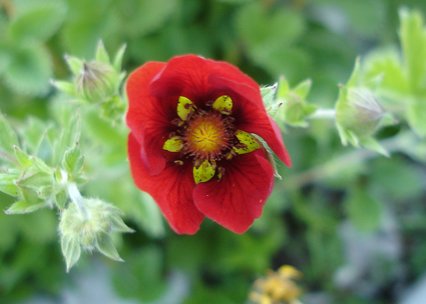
206	136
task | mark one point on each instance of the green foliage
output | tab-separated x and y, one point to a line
76	134
363	210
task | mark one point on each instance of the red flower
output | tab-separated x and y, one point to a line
191	145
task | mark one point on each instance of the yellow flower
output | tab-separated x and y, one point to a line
277	287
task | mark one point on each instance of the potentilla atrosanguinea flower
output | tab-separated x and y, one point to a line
192	147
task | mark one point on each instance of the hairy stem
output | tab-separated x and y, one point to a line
324	114
77	199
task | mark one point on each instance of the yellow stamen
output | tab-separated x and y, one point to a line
185	107
204	172
248	142
173	144
223	104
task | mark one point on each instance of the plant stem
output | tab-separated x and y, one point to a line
77	199
324	114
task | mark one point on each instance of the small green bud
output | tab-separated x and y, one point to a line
90	227
296	110
96	82
361	113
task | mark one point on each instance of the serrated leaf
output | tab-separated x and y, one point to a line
29	70
23	207
363	210
34	180
38	21
71	251
69	136
8	136
105	246
73	160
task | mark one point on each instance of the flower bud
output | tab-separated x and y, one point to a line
96	82
89	227
361	113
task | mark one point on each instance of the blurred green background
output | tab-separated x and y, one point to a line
354	224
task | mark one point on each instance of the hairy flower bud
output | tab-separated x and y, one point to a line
89	227
96	82
361	114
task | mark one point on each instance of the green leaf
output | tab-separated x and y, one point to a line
71	251
69	136
30	70
155	14
73	160
5	56
385	66
384	174
23	207
8	136
269	37
37	20
7	183
413	40
363	210
416	116
23	158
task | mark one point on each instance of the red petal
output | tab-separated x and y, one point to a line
238	198
145	117
185	75
171	190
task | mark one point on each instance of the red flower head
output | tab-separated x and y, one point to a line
191	145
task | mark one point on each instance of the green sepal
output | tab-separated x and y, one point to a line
71	251
101	54
105	245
